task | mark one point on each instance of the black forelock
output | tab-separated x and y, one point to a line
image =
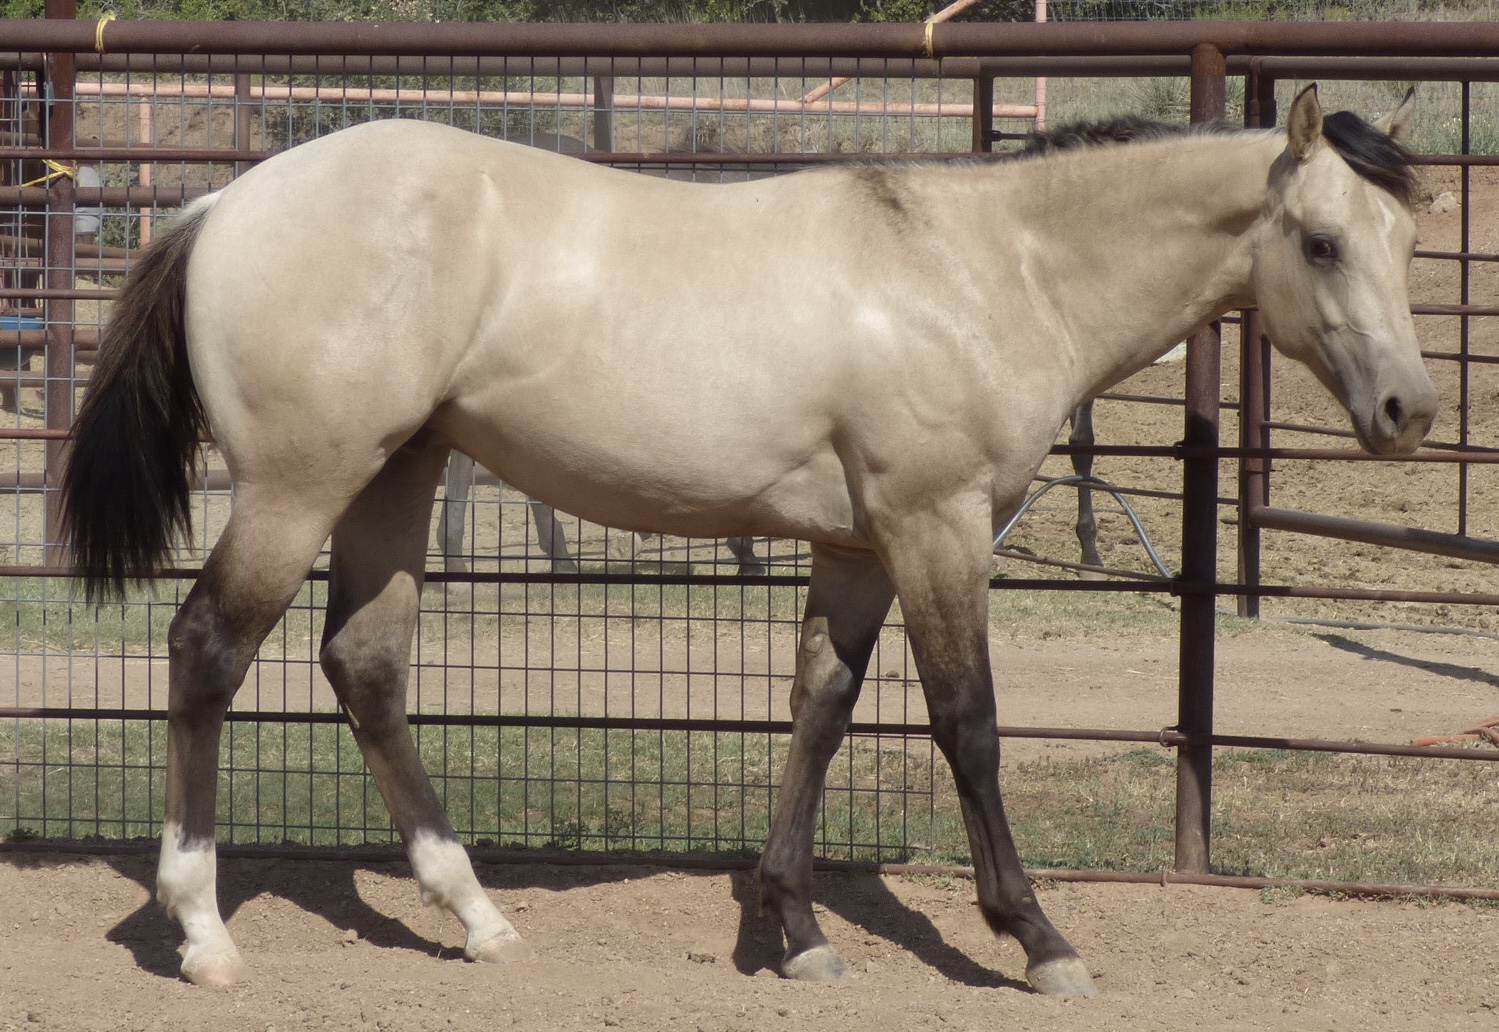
1372	154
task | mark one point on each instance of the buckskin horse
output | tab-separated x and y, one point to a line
874	360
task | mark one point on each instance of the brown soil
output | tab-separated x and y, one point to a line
340	945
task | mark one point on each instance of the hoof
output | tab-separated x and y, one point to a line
501	949
819	964
1067	976
212	967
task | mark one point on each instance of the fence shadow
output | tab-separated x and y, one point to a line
1453	670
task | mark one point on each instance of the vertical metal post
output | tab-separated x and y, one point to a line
983	113
1464	390
1254	360
58	395
603	113
1194	765
243	128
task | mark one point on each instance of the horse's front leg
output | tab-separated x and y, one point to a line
847	602
940	566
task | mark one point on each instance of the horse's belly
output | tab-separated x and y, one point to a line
697	474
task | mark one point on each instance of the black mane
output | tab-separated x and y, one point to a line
1112	131
1372	154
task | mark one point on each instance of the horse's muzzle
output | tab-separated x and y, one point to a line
1400	421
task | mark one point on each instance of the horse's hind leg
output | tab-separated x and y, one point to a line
376	573
255	570
846	606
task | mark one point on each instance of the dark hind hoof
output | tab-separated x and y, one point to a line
1067	976
819	964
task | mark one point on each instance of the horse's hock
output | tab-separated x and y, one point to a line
634	696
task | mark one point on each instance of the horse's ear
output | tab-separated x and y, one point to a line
1397	124
1304	128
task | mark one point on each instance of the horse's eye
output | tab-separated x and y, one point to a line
1322	250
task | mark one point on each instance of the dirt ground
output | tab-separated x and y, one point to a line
339	945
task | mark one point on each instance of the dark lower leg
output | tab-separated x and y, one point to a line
846	606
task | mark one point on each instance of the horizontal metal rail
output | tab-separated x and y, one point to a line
1166	737
1388	535
1280	39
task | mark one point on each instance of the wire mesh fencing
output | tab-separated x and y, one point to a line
572	686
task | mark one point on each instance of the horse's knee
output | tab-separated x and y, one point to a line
967	735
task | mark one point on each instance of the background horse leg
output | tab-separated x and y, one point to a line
456	484
256	568
944	597
551	538
743	549
1087	524
376	572
846	606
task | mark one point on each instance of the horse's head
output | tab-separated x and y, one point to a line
1330	273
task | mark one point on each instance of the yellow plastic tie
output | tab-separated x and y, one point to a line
54	169
931	23
104	19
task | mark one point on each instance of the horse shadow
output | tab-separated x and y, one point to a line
328	889
322	888
865	901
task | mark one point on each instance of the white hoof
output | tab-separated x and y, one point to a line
500	949
819	964
214	966
1065	977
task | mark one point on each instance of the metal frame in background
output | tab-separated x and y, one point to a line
56	51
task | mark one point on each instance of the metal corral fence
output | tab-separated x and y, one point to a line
575	687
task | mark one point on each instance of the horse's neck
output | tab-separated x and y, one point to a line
1142	244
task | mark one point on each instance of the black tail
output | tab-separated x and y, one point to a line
135	441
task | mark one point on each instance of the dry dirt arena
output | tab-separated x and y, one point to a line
349	945
338	945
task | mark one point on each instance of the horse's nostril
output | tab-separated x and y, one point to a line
1393	410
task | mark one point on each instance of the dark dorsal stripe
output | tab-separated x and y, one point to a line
1370	153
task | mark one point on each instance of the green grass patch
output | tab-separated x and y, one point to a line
1276	814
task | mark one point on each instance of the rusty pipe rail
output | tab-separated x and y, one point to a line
1279	39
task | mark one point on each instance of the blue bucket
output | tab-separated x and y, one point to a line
21	322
